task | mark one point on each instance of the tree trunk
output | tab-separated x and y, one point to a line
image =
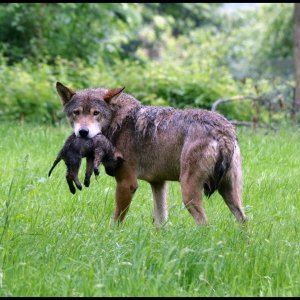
296	104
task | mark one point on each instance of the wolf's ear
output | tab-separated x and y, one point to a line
64	93
112	95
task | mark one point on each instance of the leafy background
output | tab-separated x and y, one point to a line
178	54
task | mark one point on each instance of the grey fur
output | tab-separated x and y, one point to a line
194	146
96	150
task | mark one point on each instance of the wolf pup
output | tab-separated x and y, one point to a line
96	150
196	147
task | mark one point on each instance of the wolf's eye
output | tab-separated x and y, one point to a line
76	112
96	113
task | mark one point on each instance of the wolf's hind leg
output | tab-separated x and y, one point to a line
196	161
160	190
231	187
191	190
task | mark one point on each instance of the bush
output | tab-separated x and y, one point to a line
28	90
43	31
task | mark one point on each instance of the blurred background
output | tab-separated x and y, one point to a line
176	54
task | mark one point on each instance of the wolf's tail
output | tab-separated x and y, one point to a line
226	150
58	159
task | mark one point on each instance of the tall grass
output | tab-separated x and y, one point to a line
53	243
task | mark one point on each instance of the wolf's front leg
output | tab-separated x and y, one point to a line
126	187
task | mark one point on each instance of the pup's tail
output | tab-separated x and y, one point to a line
226	150
58	159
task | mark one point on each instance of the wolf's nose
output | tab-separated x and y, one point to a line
83	132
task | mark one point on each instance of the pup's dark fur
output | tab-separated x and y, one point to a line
197	147
96	150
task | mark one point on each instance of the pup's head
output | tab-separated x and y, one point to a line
88	110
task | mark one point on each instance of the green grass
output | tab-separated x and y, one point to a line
55	244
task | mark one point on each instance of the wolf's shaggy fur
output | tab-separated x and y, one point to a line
196	147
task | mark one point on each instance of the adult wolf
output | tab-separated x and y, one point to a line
196	147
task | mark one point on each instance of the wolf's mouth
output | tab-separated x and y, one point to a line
87	131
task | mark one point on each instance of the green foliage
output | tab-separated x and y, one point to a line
178	54
69	30
29	89
184	17
277	38
89	30
31	95
259	44
27	93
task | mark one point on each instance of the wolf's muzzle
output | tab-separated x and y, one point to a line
83	132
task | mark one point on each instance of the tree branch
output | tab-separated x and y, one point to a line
239	97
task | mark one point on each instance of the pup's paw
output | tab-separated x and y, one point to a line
87	182
79	186
96	171
72	189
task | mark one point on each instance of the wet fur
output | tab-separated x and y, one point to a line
96	150
159	144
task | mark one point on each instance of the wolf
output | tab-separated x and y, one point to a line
196	147
96	150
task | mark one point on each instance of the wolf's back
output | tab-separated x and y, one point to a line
148	121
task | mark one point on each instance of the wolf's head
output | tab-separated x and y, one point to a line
89	110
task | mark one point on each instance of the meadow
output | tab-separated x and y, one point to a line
53	243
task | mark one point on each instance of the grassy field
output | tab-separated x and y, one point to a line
55	244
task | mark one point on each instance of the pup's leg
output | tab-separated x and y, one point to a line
72	175
96	170
99	154
69	179
76	180
126	187
160	190
231	187
89	170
